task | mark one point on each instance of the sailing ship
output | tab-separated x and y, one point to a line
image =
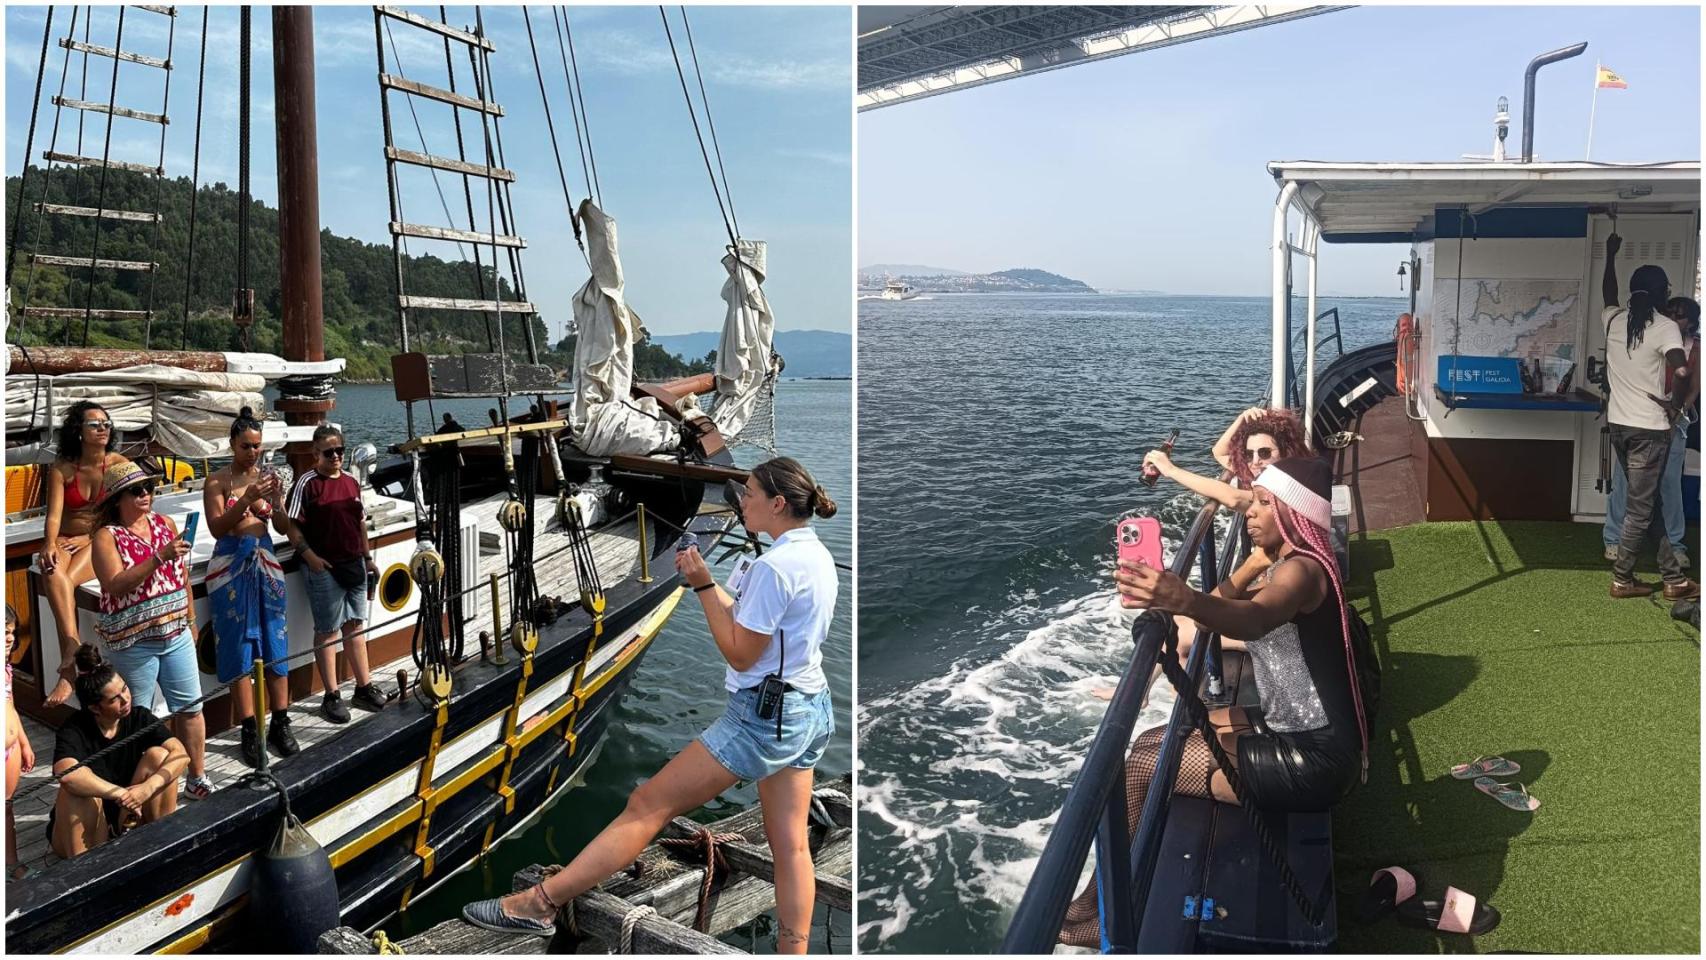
525	563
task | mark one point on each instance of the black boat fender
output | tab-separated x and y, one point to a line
293	895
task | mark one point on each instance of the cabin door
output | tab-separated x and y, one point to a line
1667	240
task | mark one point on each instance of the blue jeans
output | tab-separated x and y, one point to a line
1671	507
169	663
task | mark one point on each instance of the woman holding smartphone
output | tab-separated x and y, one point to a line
769	625
147	624
1307	745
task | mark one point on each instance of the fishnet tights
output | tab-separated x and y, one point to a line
1196	767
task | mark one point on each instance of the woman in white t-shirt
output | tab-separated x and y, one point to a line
770	625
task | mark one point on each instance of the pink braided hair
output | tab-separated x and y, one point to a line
1295	527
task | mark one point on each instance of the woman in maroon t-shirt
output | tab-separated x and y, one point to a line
329	531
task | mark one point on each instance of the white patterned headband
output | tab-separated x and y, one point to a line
1302	500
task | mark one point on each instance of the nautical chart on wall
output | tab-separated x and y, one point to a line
1508	318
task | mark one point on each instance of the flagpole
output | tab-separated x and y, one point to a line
1592	110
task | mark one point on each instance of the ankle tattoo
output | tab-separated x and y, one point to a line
788	935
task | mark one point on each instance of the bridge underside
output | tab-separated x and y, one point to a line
908	52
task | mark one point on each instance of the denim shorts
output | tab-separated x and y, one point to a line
747	746
333	605
169	663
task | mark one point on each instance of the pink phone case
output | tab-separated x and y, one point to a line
1139	540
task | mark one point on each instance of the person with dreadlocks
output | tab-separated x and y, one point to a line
1307	744
1640	356
1672	505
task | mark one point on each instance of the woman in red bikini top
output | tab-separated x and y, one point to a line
86	441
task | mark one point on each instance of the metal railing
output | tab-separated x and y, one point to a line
1095	806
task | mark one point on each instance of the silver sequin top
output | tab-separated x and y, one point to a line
1290	703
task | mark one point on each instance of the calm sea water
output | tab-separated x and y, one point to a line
678	690
1000	438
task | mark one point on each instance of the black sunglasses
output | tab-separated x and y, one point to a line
1261	453
141	490
331	453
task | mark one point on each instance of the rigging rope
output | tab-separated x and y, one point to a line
710	123
578	96
47	171
29	144
160	184
467	191
551	127
506	206
195	184
480	93
523	586
101	197
694	116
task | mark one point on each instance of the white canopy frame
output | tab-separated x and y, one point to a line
1309	240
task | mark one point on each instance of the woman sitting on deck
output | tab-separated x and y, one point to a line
1309	742
86	441
771	633
103	791
147	623
245	587
1258	437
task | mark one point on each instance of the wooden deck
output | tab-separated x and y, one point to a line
1384	469
615	548
668	880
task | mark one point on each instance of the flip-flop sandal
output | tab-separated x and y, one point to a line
1388	887
1486	767
1512	795
1459	913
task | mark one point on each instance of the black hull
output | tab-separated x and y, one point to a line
114	898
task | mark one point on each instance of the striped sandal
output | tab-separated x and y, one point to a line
1485	767
1512	795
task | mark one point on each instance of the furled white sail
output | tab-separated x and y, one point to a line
185	411
749	329
604	418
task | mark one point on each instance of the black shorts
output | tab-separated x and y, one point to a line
1296	771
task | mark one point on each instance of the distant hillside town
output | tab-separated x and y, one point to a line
935	280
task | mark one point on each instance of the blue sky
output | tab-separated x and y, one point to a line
778	80
1147	171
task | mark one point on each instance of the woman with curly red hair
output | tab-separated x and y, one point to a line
1258	437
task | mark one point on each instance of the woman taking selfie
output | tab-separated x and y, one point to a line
769	625
1308	743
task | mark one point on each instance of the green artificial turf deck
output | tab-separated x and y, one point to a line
1500	639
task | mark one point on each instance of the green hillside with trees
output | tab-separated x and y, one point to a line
358	280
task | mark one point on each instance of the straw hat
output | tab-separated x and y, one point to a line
119	476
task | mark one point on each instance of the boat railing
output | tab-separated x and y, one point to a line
1095	806
1299	342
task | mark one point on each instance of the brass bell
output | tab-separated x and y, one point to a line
426	566
512	515
523	637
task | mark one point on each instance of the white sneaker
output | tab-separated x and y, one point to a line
1611	553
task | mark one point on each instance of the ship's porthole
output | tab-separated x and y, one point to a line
396	587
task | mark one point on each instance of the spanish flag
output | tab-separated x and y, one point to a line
1611	80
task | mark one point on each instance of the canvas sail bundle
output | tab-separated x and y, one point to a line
749	330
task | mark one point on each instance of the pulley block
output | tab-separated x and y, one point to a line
426	566
513	515
523	637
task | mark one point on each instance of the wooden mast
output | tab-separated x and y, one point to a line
298	209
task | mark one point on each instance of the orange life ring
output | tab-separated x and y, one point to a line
1408	337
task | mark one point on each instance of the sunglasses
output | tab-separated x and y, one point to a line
1261	453
98	424
333	453
141	490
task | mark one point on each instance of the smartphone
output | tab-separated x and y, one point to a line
1138	539
190	527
